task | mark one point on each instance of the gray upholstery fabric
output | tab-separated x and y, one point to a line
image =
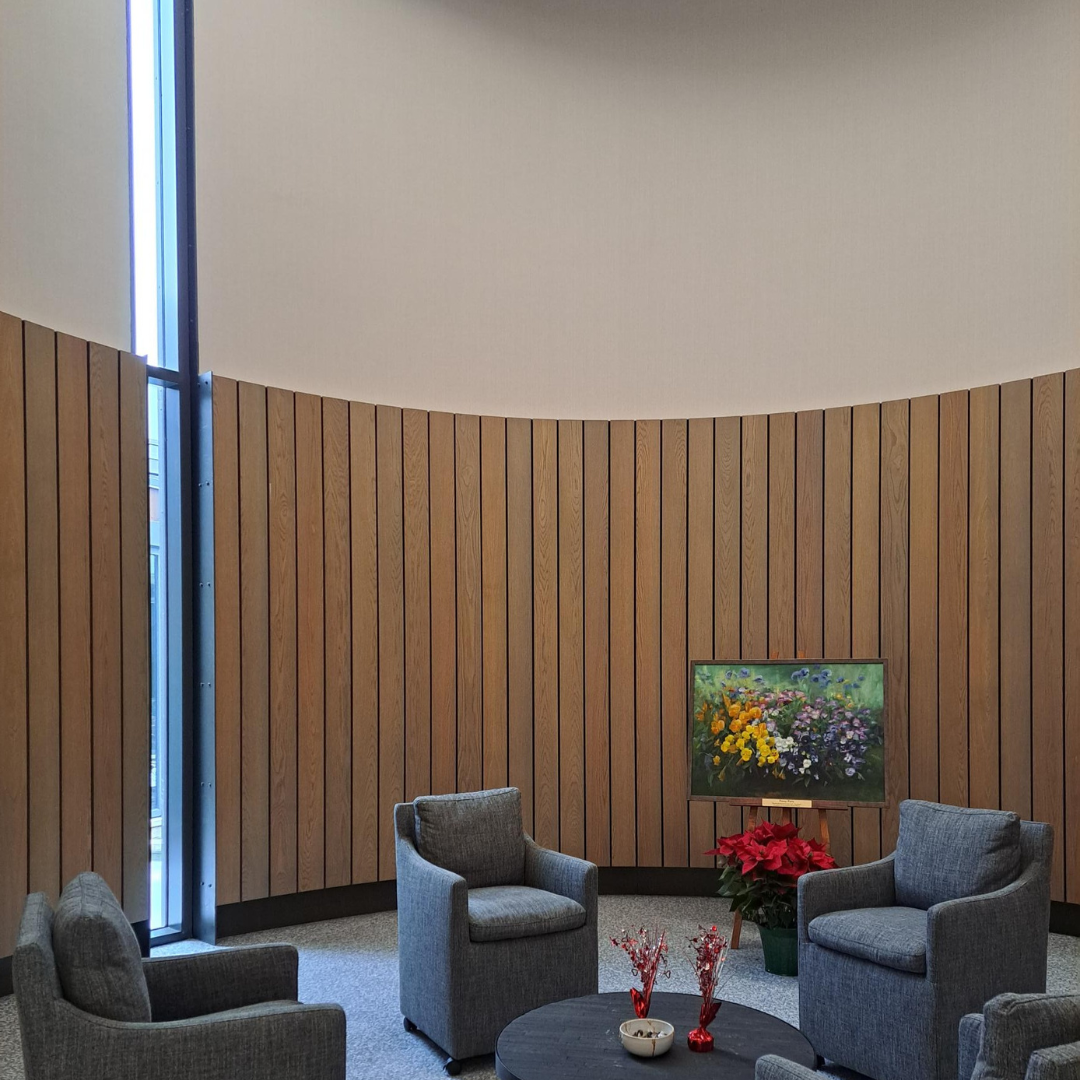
909	1022
947	852
971	1032
771	1067
253	1036
515	911
1055	1063
97	954
893	936
461	993
476	834
1016	1025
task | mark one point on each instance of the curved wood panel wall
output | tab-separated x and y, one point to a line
410	602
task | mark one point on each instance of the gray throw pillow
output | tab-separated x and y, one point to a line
477	834
97	954
948	852
1017	1025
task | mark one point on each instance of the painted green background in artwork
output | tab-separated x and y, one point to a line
791	731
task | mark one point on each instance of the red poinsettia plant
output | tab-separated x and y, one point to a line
761	871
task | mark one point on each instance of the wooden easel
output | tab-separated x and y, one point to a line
785	819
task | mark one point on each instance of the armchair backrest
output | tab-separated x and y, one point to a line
476	834
1015	1026
37	985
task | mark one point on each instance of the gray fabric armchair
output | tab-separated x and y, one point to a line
892	954
490	924
91	1008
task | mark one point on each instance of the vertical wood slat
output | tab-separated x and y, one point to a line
952	598
13	674
700	465
781	530
443	603
281	509
837	579
337	661
1015	601
1071	839
414	439
226	637
388	451
545	633
647	643
519	601
310	659
1047	597
865	583
493	598
597	719
254	646
673	610
894	606
365	644
621	645
135	646
43	611
105	606
983	600
470	686
755	538
571	640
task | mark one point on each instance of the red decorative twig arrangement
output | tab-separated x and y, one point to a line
648	955
709	950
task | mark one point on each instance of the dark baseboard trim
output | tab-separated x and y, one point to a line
1065	919
5	976
657	881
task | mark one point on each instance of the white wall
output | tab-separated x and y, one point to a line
606	208
64	218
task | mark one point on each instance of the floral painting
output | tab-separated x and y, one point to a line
788	730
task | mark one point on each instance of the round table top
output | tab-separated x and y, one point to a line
578	1039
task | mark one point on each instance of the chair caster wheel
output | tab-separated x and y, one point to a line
409	1026
452	1066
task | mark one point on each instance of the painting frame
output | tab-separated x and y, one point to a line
793	802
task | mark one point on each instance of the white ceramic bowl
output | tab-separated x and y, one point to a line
647	1038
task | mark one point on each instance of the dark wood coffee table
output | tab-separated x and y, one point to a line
578	1039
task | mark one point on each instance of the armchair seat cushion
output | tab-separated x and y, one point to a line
500	912
893	937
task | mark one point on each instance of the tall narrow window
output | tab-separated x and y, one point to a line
156	318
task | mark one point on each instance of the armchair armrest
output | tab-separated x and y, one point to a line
208	982
561	874
971	1032
846	887
771	1067
278	1040
1055	1063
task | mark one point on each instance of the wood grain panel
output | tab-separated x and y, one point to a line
1015	650
519	615
443	603
43	610
414	439
923	599
755	538
865	583
952	598
106	616
782	535
13	675
226	634
135	632
623	690
894	606
597	720
365	643
837	580
700	466
1047	627
470	688
310	658
571	639
647	641
1071	838
493	595
983	601
673	663
337	661
281	509
546	632
389	465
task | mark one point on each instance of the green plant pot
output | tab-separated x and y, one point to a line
781	949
